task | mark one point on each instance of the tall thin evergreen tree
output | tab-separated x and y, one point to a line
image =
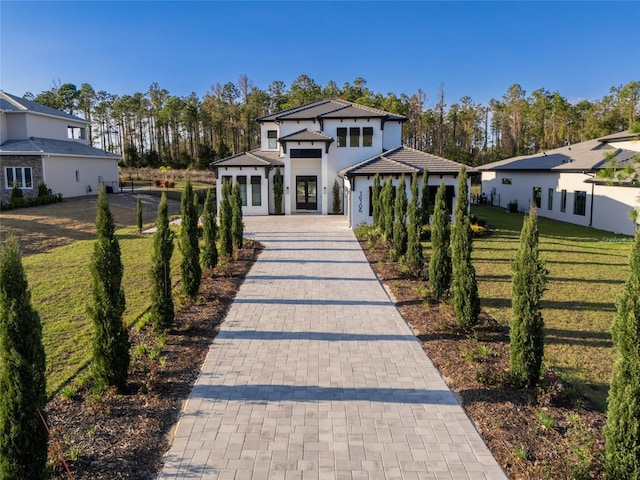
278	191
375	199
237	226
424	198
209	232
400	224
226	220
622	431
189	246
526	345
440	268
415	258
466	301
111	339
139	213
162	311
387	203
23	435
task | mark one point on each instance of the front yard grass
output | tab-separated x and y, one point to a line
587	269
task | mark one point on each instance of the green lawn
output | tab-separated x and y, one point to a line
587	269
60	284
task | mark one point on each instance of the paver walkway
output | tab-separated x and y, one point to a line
315	375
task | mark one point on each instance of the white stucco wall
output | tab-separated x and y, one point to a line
60	174
51	127
4	135
16	126
612	206
249	209
392	135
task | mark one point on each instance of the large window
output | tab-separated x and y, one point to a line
77	133
579	202
305	153
272	136
242	181
367	136
342	137
18	176
563	201
256	190
550	199
354	137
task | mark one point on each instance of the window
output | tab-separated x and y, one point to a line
342	137
20	176
75	132
354	137
579	202
449	195
77	176
242	181
537	196
367	136
550	199
305	153
506	181
563	201
256	190
272	136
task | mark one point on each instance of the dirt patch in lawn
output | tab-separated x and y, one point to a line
549	432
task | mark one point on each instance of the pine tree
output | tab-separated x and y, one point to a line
375	199
139	213
622	431
440	262
424	198
209	232
277	192
162	312
526	346
237	227
23	435
466	301
190	266
226	220
111	338
400	224
415	258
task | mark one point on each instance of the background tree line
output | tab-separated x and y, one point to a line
156	128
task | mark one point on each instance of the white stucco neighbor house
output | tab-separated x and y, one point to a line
42	143
317	144
564	185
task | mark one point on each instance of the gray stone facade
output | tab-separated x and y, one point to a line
31	161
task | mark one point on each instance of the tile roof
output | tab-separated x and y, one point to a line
335	108
404	160
254	158
47	146
306	135
627	135
12	104
589	155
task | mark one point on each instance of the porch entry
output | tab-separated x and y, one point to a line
306	193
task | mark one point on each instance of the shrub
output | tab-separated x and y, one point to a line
415	258
478	231
162	311
440	263
209	232
237	227
190	266
277	192
512	206
335	190
400	225
226	220
139	214
43	191
375	199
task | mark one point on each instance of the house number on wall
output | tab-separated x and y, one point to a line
360	205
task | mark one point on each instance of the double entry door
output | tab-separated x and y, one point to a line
306	193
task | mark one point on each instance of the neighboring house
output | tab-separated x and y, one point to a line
317	144
564	185
42	143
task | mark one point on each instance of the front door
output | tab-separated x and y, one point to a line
306	193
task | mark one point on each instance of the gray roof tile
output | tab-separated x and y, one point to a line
306	135
8	101
254	158
336	108
49	146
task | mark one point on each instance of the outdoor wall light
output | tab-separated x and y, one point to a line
287	189
324	189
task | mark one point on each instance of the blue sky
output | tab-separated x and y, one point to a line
479	48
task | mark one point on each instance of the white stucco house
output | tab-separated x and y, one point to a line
563	183
42	143
317	144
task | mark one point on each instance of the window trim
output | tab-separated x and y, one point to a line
367	136
271	138
354	137
256	200
242	182
550	193
71	133
563	201
580	202
25	185
341	134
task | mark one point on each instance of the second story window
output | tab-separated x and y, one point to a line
354	137
77	133
367	137
342	137
272	136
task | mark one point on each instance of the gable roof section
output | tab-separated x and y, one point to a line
47	146
306	135
583	156
254	158
335	108
12	104
404	160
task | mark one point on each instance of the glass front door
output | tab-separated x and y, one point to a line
306	193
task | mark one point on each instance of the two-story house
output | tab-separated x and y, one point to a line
317	144
42	143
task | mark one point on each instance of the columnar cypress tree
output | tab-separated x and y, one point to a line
440	262
23	435
277	192
465	287
162	312
387	203
526	346
622	431
209	232
375	199
226	220
400	224
424	198
111	338
335	190
237	227
190	266
139	213
415	258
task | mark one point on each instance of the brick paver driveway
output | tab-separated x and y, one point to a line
316	375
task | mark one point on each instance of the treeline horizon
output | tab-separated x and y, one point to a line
155	128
